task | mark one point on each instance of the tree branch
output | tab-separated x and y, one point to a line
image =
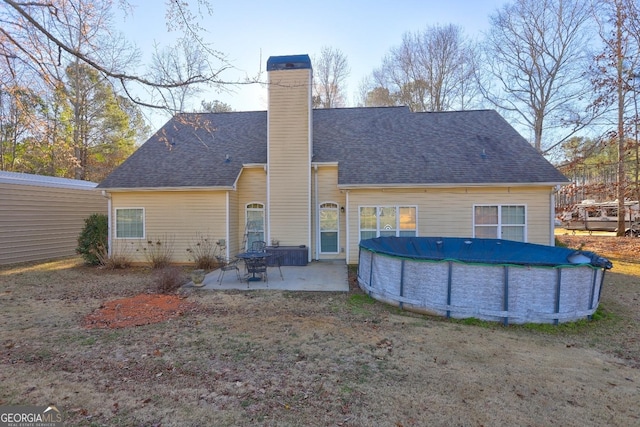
18	7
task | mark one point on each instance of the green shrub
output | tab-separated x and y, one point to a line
92	242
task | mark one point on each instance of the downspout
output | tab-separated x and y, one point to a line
346	226
310	158
227	226
315	208
552	202
267	171
109	239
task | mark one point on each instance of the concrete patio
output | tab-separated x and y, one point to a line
315	276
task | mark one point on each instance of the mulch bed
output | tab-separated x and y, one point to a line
139	310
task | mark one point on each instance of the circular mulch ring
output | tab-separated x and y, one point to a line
142	309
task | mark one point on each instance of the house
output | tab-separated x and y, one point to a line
324	179
41	217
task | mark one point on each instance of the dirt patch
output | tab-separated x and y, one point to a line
142	309
609	246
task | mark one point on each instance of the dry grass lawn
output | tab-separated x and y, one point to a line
271	358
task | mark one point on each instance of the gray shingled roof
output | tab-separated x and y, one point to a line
373	147
195	150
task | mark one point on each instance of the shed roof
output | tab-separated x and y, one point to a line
374	147
44	181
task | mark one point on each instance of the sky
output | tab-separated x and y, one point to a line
248	32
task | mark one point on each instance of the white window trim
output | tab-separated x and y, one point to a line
337	209
499	224
377	207
144	223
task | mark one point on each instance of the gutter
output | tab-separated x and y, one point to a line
129	189
373	186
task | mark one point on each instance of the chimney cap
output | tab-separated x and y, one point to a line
289	62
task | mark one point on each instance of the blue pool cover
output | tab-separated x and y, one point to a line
486	251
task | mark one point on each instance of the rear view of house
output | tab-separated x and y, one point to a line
322	180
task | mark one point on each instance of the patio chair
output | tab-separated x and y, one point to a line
228	265
257	266
277	260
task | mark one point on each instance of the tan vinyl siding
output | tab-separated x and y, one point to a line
41	222
328	191
448	212
289	156
252	188
173	217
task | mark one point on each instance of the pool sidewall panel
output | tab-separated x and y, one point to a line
425	282
532	290
476	290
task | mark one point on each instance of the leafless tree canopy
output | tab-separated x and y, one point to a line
44	37
330	72
431	70
535	55
615	71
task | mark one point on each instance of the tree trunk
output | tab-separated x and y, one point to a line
621	82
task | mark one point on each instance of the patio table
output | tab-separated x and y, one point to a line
253	256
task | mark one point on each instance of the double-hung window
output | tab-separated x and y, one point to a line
129	223
500	222
381	221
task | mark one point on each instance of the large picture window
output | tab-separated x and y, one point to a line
380	221
130	223
255	223
329	228
500	222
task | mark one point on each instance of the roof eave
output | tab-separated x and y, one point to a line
450	185
145	189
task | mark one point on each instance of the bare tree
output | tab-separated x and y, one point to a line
431	70
330	72
41	35
174	64
633	28
614	77
535	54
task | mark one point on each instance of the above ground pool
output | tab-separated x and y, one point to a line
488	279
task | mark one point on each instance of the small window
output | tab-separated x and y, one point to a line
130	223
500	222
